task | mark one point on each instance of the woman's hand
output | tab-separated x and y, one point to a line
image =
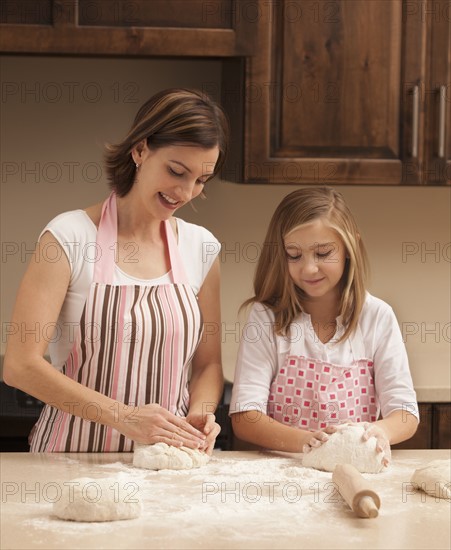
208	425
149	424
316	439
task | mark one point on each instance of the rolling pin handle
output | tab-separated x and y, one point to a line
356	491
367	508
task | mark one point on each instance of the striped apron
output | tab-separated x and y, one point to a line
134	344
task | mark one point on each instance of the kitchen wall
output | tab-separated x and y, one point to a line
56	115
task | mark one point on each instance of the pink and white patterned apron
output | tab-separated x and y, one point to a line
312	394
134	344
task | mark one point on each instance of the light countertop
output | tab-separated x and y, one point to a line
241	499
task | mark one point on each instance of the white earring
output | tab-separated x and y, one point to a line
137	166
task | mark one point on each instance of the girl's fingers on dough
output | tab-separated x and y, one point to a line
331	429
387	458
321	436
316	441
382	445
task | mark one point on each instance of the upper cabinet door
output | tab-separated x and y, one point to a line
437	96
335	93
195	28
318	91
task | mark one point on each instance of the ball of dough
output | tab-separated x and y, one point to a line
434	478
199	458
346	447
107	499
166	457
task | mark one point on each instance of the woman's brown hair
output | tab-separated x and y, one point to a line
170	117
273	285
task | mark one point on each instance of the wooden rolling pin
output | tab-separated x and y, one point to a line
356	491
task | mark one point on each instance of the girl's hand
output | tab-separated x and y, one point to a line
374	430
151	424
318	438
382	445
208	425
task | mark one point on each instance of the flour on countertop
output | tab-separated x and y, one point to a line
261	495
65	459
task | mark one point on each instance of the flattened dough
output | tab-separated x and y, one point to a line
434	478
107	499
166	457
346	447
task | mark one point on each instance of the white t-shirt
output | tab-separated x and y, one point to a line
262	353
76	233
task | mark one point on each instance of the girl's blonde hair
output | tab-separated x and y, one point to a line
174	116
273	285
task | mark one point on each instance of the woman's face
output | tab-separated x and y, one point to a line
170	177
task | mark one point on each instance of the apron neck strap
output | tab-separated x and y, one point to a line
106	242
107	246
178	271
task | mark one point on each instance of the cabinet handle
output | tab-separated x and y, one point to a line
441	122
415	118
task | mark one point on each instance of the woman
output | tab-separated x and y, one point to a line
136	284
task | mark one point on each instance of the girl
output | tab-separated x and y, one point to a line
318	350
134	282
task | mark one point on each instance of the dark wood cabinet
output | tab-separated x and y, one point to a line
196	28
434	430
423	436
437	96
318	91
442	426
348	92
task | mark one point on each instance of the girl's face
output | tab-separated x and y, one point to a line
171	176
316	257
